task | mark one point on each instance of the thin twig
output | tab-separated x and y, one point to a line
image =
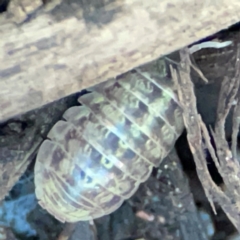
227	96
196	132
236	124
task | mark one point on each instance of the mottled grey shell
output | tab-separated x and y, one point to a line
106	147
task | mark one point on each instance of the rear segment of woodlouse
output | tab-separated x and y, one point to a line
97	158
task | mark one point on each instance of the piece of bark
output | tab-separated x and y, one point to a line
18	145
49	52
21	137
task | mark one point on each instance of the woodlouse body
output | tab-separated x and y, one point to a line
97	158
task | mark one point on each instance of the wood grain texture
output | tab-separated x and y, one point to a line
48	54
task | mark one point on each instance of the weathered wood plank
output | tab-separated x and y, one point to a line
71	47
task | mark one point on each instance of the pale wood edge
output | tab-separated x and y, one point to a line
46	58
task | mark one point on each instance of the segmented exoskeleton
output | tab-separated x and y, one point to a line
98	155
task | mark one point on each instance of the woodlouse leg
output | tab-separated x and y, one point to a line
67	231
79	230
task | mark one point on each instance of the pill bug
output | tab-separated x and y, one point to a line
98	155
